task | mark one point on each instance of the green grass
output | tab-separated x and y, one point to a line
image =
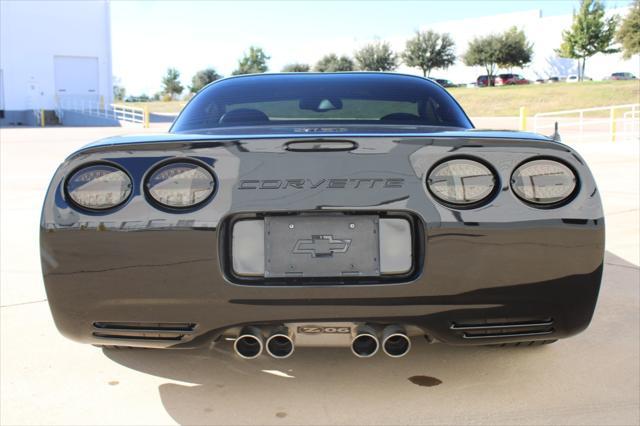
507	100
159	106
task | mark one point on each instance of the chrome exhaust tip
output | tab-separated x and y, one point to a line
365	344
280	345
248	344
395	341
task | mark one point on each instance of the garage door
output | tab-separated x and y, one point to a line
77	77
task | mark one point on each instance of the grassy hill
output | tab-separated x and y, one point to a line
507	100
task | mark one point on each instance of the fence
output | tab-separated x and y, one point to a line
98	109
617	122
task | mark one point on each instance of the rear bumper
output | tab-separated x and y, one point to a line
478	284
504	263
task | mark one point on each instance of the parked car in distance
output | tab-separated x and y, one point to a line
553	80
509	79
574	78
540	81
483	80
622	76
443	82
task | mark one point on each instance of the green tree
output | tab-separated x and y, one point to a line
629	33
296	67
376	56
590	33
202	78
119	92
485	52
333	63
254	62
515	50
171	83
429	50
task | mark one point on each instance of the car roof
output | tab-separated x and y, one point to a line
341	74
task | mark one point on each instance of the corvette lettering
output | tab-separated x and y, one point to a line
360	183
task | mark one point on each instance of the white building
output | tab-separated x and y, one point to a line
51	50
545	32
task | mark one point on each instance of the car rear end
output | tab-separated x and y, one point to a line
309	236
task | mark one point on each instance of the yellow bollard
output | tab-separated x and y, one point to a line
42	118
523	118
146	116
613	125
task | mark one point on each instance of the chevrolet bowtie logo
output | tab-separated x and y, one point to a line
321	246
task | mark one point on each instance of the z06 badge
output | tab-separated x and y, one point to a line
312	329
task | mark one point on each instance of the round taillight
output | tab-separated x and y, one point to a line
543	182
461	182
180	185
98	187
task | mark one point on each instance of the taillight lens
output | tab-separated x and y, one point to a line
181	185
543	182
461	182
99	187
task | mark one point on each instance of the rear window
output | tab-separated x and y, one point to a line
300	99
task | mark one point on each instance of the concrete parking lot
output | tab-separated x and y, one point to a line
593	378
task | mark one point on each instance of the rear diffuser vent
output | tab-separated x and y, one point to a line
142	330
492	329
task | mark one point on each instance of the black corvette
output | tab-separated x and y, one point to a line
351	209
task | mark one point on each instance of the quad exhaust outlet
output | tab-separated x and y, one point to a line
365	344
395	341
249	343
280	341
279	344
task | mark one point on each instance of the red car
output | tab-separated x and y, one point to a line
622	76
483	80
506	79
502	80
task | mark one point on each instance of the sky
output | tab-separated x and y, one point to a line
150	36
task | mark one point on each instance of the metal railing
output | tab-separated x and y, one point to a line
128	113
94	108
616	122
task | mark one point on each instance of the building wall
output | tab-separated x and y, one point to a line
33	33
545	32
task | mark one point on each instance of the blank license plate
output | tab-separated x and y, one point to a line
322	246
